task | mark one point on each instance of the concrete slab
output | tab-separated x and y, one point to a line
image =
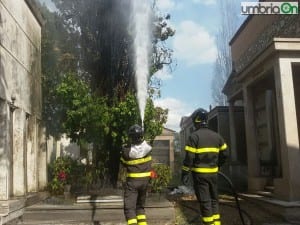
277	224
99	199
159	211
289	210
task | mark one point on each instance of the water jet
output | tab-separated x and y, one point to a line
141	17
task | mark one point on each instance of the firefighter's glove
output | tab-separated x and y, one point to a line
153	174
185	177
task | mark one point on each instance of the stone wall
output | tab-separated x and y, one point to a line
257	33
22	142
20	51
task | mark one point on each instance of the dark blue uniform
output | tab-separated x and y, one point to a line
138	176
205	152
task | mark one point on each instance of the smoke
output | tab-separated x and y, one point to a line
141	17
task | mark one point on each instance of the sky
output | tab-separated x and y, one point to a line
188	86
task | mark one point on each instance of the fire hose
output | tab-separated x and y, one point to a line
238	207
241	212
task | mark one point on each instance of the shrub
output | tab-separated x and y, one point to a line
61	173
163	177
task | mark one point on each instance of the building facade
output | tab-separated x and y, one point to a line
163	148
22	142
186	128
219	120
265	78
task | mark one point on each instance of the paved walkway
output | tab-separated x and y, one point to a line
97	211
108	210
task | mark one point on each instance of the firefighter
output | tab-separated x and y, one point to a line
205	152
137	160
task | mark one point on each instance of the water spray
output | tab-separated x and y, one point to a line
141	13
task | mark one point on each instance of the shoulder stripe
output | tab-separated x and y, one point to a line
223	147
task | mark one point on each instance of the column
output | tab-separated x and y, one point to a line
18	153
4	150
254	182
288	186
42	157
31	154
233	148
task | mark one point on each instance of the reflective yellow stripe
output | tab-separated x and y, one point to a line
201	150
207	219
132	221
216	216
142	223
223	147
141	217
146	174
190	149
137	161
185	168
205	170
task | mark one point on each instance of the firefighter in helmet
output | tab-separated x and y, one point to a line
137	160
205	152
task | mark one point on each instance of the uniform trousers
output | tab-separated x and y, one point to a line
206	190
135	194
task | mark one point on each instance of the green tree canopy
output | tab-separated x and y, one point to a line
88	85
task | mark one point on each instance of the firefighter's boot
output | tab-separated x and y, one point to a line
141	219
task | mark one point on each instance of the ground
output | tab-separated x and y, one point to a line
187	211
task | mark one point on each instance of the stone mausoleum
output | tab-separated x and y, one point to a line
266	79
23	153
